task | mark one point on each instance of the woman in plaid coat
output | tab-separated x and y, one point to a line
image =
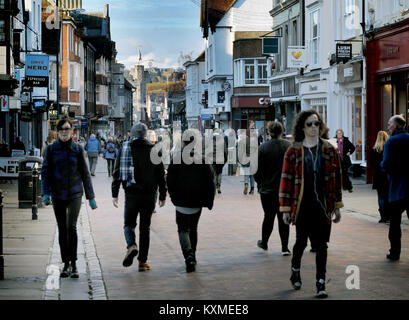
311	192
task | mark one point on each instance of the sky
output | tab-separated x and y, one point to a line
160	29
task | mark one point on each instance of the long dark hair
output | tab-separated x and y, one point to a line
298	130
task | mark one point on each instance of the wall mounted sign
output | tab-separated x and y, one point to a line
343	52
296	58
37	70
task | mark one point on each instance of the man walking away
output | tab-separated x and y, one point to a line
93	149
140	179
110	153
395	160
270	163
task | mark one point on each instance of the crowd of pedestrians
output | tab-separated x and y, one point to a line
299	181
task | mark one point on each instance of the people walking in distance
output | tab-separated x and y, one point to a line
110	154
140	179
52	136
380	179
93	149
64	176
395	164
345	149
191	188
268	177
18	145
243	156
220	156
311	193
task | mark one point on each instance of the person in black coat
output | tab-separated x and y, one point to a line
220	156
268	176
191	187
345	148
380	179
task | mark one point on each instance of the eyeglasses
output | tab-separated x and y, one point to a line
64	129
315	123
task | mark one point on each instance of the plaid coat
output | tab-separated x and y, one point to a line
292	179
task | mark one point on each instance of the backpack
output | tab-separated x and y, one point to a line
111	149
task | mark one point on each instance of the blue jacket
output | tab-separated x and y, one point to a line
109	155
395	160
93	145
65	173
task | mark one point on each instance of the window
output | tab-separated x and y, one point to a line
295	33
2	30
350	12
315	38
210	58
262	71
249	71
72	77
53	77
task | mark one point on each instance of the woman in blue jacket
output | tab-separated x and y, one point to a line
110	153
64	176
93	149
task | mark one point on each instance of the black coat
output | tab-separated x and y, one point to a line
191	186
380	179
270	164
347	147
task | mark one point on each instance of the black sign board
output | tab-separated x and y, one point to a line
36	81
344	52
25	87
220	96
26	113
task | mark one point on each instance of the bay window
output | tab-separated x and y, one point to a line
250	72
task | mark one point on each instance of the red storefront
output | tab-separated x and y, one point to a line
387	69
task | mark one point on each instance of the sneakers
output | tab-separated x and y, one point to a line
246	188
218	190
285	252
296	279
65	273
143	266
130	255
190	264
251	191
321	293
261	245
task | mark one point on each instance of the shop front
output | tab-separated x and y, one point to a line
387	78
314	95
252	112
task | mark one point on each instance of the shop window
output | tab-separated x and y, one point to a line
357	130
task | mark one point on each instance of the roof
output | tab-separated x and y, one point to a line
216	10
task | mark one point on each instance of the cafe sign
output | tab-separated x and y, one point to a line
37	69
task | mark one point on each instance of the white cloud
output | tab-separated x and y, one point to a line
149	59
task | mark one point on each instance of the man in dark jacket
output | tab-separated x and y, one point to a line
345	148
140	179
270	163
191	187
395	160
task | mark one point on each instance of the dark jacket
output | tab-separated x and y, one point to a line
395	164
148	176
270	164
218	167
347	147
380	179
191	186
65	174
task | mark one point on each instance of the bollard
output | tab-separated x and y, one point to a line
1	238
34	208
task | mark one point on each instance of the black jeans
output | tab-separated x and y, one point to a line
66	213
187	230
346	182
110	164
271	206
395	233
311	225
134	205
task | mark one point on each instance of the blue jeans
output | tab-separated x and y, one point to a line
92	163
187	230
134	205
251	178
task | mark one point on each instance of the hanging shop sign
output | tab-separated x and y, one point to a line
37	70
4	102
296	57
271	45
344	52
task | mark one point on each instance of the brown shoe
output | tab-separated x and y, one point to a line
143	266
246	188
130	255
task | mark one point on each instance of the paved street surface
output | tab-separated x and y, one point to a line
230	265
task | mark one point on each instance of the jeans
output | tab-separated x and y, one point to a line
251	178
309	225
66	213
271	205
92	164
110	163
134	205
187	230
218	180
395	233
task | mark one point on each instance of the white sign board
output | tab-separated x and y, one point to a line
296	57
9	167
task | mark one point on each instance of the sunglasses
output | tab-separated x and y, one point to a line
315	123
65	129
